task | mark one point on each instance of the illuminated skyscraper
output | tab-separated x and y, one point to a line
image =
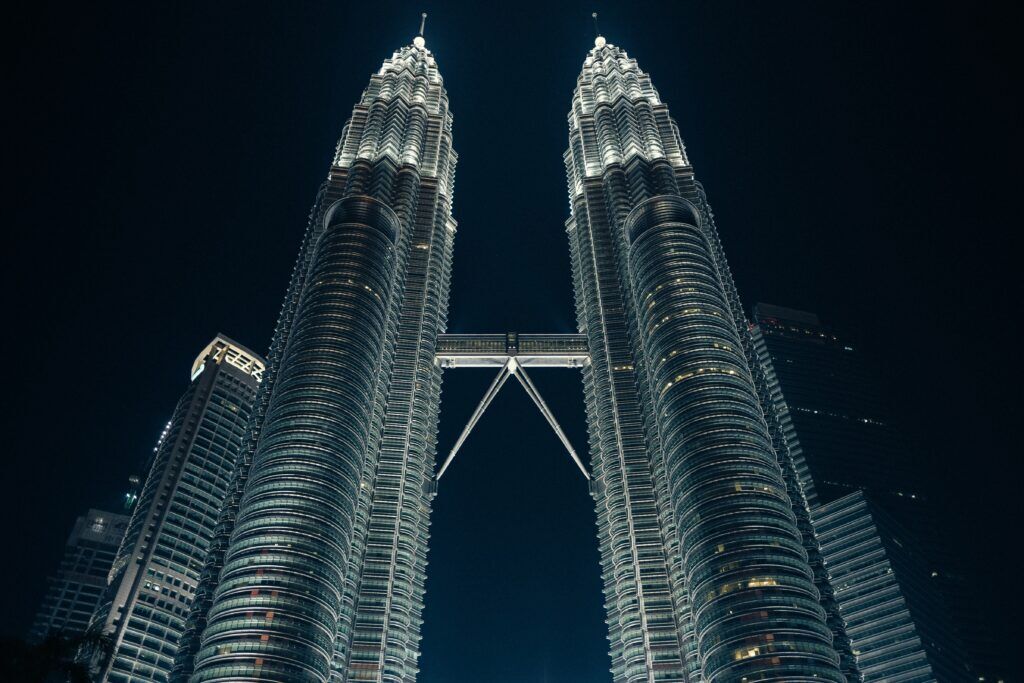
703	526
318	568
153	579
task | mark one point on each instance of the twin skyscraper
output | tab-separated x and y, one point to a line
316	568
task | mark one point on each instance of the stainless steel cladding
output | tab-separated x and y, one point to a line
706	573
317	569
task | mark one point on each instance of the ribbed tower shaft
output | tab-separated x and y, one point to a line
317	570
706	573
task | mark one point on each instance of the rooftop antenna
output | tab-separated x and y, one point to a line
599	40
419	41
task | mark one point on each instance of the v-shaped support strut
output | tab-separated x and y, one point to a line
511	367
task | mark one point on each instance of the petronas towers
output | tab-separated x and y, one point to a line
316	570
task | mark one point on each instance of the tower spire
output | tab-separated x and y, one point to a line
599	40
419	41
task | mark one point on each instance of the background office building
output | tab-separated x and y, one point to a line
894	617
831	398
75	591
157	567
837	407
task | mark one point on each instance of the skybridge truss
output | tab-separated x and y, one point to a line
512	353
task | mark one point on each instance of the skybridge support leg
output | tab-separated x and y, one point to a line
513	367
531	390
489	395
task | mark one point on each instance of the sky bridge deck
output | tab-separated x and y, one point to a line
495	350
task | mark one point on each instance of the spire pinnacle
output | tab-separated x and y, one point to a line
599	40
419	41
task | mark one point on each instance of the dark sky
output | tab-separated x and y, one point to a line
862	159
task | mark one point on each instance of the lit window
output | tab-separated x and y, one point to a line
747	653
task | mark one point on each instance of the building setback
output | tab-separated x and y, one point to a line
75	591
153	580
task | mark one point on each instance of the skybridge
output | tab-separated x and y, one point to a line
529	350
512	353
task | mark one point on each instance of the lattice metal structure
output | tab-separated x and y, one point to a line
706	573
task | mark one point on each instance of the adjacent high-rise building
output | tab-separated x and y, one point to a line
75	591
895	618
841	427
707	552
153	580
837	408
317	571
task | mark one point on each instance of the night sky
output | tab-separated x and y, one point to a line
862	160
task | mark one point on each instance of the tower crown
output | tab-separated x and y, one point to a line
403	116
609	73
617	116
221	350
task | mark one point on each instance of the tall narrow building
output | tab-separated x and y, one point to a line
153	580
837	408
317	569
703	524
76	590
